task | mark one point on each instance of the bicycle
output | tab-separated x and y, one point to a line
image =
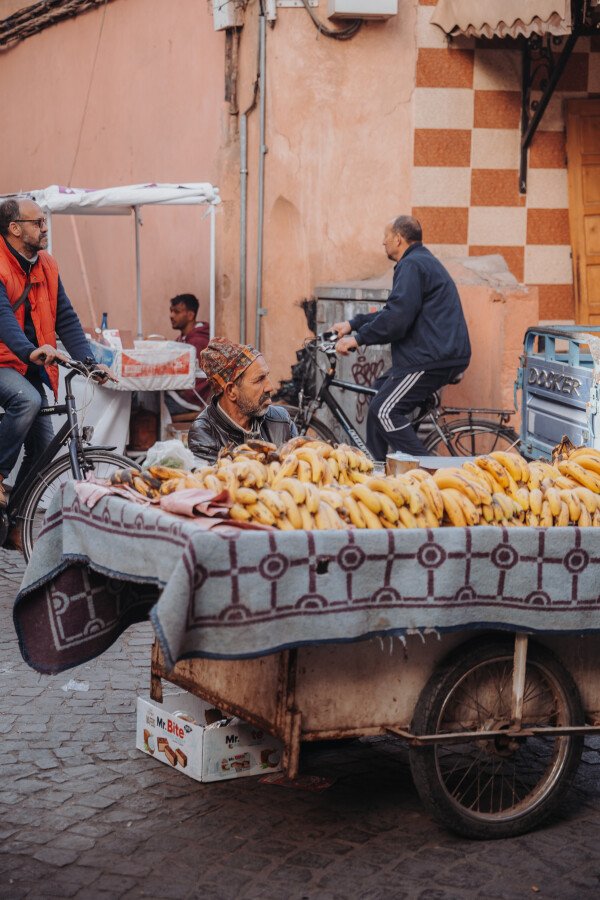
449	431
27	503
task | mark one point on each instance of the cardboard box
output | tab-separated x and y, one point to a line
175	732
149	365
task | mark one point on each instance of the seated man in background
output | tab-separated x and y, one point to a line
183	313
241	406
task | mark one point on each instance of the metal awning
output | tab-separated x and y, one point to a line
503	18
540	26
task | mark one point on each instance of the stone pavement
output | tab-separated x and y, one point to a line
84	814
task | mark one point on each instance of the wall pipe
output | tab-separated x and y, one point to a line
243	221
260	311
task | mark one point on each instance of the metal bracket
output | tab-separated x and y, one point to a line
542	71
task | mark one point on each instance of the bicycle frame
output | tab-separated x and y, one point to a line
68	435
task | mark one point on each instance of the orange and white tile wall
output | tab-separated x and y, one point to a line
465	190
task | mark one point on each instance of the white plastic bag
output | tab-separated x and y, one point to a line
169	453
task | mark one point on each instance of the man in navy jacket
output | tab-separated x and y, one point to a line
424	323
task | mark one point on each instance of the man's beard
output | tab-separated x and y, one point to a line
255	410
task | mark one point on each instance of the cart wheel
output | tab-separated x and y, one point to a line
495	788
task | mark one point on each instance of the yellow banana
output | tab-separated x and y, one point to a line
173	484
563	518
385	523
573	504
313	498
322	519
513	462
322	447
354	513
261	513
396	490
340	455
584	476
288	468
362	493
453	509
371	520
587	497
536	499
406	518
469	511
245	496
553	498
585	520
164	473
213	483
508	505
563	483
314	460
284	524
240	513
433	495
389	510
596	519
291	509
431	519
272	501
532	519
294	487
332	497
546	520
304	472
496	470
357	477
308	522
522	497
488	512
334	467
588	461
457	481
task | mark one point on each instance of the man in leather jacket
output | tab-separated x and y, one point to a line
241	407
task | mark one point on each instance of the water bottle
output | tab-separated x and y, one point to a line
104	323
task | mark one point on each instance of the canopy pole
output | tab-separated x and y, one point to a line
48	215
212	272
138	271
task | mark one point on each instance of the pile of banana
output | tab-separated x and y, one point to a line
310	485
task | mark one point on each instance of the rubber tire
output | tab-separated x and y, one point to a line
425	721
477	426
50	474
321	431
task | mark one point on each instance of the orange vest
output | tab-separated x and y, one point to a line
42	297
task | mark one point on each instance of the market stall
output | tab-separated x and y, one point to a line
109	413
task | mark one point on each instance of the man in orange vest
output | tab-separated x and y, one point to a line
34	308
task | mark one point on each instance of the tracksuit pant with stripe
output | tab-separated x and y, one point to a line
388	428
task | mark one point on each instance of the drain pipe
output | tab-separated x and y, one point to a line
260	311
243	221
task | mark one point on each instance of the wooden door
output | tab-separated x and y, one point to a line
583	162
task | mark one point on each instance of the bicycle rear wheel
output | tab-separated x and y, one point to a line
315	431
30	516
474	437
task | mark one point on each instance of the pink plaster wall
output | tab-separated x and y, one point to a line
339	137
154	114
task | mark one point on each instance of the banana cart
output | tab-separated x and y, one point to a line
479	647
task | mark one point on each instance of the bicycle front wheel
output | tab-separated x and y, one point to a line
30	516
316	429
474	437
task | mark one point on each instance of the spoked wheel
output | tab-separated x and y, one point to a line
48	482
315	431
495	787
472	438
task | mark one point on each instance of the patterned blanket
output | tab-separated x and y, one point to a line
239	594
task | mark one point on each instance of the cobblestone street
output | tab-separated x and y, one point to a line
84	814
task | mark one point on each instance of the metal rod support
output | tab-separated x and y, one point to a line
261	178
138	271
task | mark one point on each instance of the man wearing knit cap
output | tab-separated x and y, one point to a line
241	407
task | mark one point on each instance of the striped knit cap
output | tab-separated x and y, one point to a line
223	361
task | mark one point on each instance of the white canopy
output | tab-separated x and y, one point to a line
122	201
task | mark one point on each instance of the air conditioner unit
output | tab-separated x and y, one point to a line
362	9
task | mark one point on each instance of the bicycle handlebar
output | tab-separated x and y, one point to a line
82	368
